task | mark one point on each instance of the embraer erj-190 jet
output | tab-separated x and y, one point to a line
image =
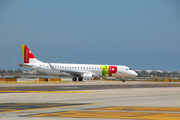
80	71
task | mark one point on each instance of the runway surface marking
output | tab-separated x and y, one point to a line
141	113
12	91
12	107
74	89
112	115
161	109
119	112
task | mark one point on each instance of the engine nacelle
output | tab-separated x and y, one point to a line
88	76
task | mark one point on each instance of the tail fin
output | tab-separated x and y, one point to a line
28	56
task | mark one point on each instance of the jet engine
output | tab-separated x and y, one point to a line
88	76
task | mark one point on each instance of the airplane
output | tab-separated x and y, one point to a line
80	71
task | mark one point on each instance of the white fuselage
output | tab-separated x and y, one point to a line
60	68
82	71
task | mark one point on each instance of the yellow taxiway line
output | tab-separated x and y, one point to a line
14	107
113	115
162	109
119	112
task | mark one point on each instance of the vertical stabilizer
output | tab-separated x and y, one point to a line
28	57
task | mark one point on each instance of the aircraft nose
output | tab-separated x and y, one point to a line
134	74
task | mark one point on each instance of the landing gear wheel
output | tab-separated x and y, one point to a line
74	79
80	79
123	80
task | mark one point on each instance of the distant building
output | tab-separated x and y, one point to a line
160	71
166	72
138	71
149	71
176	72
30	72
156	71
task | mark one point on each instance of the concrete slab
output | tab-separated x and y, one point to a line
161	102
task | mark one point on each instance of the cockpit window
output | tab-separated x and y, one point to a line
128	69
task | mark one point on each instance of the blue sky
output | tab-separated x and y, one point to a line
141	34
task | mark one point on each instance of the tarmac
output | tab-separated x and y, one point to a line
90	100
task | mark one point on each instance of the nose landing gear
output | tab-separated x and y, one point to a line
123	79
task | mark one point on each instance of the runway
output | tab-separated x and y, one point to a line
90	100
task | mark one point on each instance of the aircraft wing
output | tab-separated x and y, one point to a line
74	72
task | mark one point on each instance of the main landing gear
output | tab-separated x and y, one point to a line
74	79
79	79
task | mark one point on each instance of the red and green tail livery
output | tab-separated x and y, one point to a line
26	53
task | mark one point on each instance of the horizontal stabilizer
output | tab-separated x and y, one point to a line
23	65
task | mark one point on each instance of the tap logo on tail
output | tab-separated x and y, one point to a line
26	53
